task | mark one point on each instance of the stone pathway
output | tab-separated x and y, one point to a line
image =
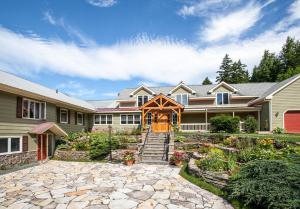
72	185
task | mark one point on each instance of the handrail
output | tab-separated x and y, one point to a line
166	146
145	141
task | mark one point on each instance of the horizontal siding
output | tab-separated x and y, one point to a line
287	99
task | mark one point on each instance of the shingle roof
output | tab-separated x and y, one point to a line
244	89
103	103
13	81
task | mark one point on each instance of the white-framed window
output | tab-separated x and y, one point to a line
79	118
222	98
149	118
102	119
130	119
174	118
64	116
10	145
141	100
32	109
182	99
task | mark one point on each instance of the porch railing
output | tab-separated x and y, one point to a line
195	126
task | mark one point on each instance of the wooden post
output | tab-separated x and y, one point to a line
258	119
179	119
206	125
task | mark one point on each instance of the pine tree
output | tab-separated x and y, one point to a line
206	81
224	72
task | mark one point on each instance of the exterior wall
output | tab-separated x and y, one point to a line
221	89
116	123
72	127
264	117
180	91
193	118
239	101
128	104
286	99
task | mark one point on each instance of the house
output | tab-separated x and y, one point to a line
33	116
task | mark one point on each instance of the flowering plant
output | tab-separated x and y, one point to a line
128	156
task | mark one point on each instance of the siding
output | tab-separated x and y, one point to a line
264	117
221	89
287	99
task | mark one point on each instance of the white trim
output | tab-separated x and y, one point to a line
225	84
175	99
112	118
216	101
183	85
127	119
9	145
142	87
79	113
282	87
28	109
283	114
137	100
65	122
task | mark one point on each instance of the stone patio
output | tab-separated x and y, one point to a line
58	184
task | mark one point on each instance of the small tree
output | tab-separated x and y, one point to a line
250	125
206	81
225	123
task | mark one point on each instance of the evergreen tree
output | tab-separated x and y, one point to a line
206	81
232	72
224	72
267	69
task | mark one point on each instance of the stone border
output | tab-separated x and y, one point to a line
71	155
11	160
218	179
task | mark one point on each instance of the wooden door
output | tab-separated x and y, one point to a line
161	122
42	147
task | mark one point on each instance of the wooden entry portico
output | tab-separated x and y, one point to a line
161	108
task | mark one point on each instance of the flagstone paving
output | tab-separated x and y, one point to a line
75	185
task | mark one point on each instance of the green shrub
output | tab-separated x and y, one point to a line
278	130
215	161
180	139
250	124
280	144
225	123
204	150
257	153
267	184
63	147
99	145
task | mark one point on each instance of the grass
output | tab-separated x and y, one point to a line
287	137
211	188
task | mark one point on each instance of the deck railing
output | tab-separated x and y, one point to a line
202	126
195	126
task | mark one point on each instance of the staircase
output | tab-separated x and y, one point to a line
155	150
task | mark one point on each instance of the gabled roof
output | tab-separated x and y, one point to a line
182	85
142	87
10	82
161	97
48	126
276	88
223	84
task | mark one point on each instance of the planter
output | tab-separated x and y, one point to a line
129	162
178	162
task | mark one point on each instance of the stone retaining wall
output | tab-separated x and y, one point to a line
218	179
71	155
11	160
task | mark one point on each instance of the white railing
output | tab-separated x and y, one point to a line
242	125
195	126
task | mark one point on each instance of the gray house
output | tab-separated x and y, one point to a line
33	116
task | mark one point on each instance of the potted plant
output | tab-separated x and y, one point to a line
178	158
128	158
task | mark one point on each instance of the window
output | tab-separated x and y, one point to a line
33	109
174	118
64	116
142	100
79	118
10	145
222	98
130	119
102	119
182	99
149	118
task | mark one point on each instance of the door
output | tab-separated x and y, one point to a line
42	147
292	121
161	122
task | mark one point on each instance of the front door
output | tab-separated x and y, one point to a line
42	147
161	122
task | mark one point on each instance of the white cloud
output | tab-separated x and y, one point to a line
102	3
75	89
110	94
205	7
293	16
152	60
231	25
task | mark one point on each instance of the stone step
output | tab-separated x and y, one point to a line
149	148
152	157
155	162
151	152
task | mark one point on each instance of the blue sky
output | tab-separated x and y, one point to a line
92	49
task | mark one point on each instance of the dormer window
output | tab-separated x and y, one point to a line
142	100
182	99
222	98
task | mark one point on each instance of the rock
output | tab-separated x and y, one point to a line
61	206
149	204
45	202
172	206
77	205
161	184
140	195
148	188
160	206
161	194
124	204
117	196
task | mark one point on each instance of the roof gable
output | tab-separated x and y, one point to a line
224	84
140	88
184	86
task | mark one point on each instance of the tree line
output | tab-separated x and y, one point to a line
271	68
